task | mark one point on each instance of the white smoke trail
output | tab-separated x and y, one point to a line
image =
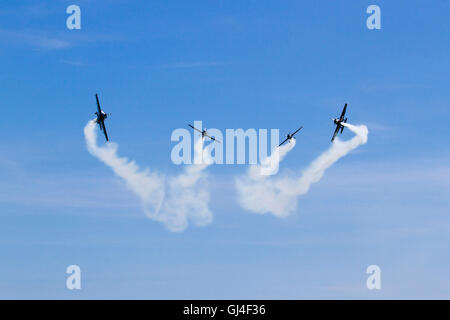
149	186
174	203
269	166
188	194
264	194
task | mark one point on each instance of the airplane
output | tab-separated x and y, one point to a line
101	116
338	123
204	133
290	136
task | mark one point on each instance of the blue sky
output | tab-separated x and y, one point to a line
233	64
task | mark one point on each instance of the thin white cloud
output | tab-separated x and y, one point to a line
51	40
76	63
31	38
34	10
200	64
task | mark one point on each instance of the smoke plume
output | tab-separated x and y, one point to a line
174	201
279	195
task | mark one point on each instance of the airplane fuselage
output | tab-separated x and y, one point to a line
337	121
290	137
101	117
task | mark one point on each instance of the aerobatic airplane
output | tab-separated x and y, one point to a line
289	137
338	123
101	117
204	133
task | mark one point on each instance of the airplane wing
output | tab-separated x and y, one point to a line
283	142
343	113
195	128
212	138
335	133
104	131
297	130
98	105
